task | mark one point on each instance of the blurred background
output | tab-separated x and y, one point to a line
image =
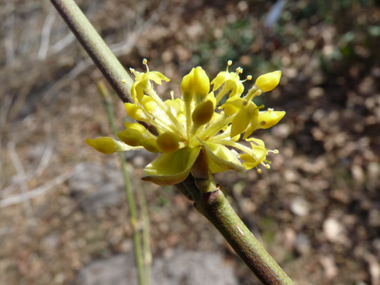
63	210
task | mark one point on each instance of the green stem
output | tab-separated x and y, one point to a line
96	48
210	201
128	189
216	208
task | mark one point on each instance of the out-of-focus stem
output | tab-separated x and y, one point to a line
147	254
96	48
128	189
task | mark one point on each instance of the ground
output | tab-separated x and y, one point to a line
317	211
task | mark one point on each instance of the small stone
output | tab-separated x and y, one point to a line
194	267
96	186
315	92
302	243
300	207
282	131
334	231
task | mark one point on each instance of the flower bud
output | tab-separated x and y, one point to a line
133	134
268	81
130	137
203	112
270	118
149	104
104	145
150	144
196	82
168	142
187	85
201	82
135	112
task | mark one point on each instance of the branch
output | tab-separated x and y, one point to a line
210	201
216	208
97	49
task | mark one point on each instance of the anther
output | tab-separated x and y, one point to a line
239	70
229	63
145	61
270	109
275	151
267	166
124	81
249	77
259	171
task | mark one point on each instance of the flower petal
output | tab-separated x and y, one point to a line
171	168
240	122
221	158
220	79
157	77
257	156
237	89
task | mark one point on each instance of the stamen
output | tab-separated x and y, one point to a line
249	77
267	166
259	171
124	81
133	71
239	70
145	61
172	94
229	63
275	151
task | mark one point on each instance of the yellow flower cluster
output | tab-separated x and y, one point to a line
186	125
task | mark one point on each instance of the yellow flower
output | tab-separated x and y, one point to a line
230	81
142	82
268	81
188	124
